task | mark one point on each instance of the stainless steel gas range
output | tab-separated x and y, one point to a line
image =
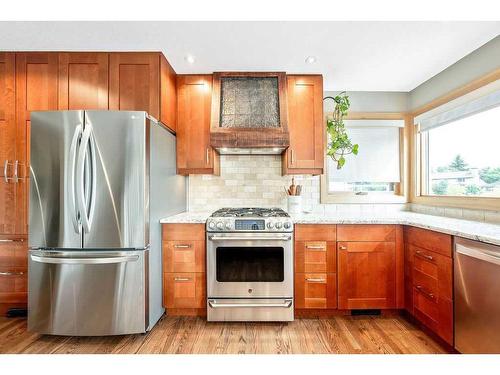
249	265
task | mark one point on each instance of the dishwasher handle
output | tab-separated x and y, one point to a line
481	254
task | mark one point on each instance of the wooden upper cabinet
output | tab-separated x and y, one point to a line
83	81
36	90
168	94
366	275
194	153
7	111
134	82
305	124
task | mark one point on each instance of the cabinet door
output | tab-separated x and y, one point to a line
168	94
194	97
83	81
134	82
305	124
7	112
366	275
36	90
14	207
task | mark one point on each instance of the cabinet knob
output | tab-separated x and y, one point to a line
342	247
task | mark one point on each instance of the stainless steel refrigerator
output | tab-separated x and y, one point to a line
99	183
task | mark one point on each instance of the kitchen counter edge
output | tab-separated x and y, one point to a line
475	230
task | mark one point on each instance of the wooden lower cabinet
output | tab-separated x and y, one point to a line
315	266
184	277
429	280
13	274
366	275
370	266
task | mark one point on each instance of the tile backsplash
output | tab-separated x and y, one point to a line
256	181
458	213
248	181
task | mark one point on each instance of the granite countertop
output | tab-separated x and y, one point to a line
474	230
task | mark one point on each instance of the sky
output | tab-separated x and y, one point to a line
475	138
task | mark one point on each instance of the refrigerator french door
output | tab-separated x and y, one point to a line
89	228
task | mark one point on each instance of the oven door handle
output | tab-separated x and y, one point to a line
253	238
213	304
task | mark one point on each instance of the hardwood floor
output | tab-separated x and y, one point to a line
193	335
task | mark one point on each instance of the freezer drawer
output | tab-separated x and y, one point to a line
250	309
477	306
87	293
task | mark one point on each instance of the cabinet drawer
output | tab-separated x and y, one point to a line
14	254
13	280
316	290
184	256
315	256
429	240
436	314
183	232
429	265
370	232
315	232
184	290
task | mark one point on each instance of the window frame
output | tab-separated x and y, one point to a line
401	191
419	164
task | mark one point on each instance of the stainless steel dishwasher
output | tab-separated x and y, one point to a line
477	297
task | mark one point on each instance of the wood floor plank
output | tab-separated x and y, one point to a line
194	335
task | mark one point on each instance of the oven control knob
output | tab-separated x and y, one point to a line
270	225
278	225
287	225
211	225
220	225
228	225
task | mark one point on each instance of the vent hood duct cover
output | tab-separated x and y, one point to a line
249	113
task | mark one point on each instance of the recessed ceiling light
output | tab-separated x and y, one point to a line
311	59
189	59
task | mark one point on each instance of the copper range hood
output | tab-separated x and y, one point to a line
249	114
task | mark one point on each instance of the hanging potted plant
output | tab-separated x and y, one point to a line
339	144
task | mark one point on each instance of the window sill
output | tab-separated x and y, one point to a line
473	203
349	197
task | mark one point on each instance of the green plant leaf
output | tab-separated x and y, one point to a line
355	149
340	162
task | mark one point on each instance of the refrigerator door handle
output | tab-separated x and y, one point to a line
83	260
72	154
80	178
93	166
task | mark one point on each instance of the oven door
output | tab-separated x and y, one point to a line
250	265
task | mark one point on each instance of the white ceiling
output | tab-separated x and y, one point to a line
355	56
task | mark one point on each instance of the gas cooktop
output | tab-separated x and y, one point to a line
249	220
250	212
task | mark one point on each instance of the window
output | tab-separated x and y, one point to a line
459	148
374	175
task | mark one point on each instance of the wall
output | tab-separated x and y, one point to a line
372	101
476	64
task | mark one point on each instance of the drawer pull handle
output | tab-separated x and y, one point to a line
315	247
421	289
182	246
314	280
16	240
11	273
425	256
342	247
182	279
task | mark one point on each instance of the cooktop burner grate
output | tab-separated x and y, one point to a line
250	212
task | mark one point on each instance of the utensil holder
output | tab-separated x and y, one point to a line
294	204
